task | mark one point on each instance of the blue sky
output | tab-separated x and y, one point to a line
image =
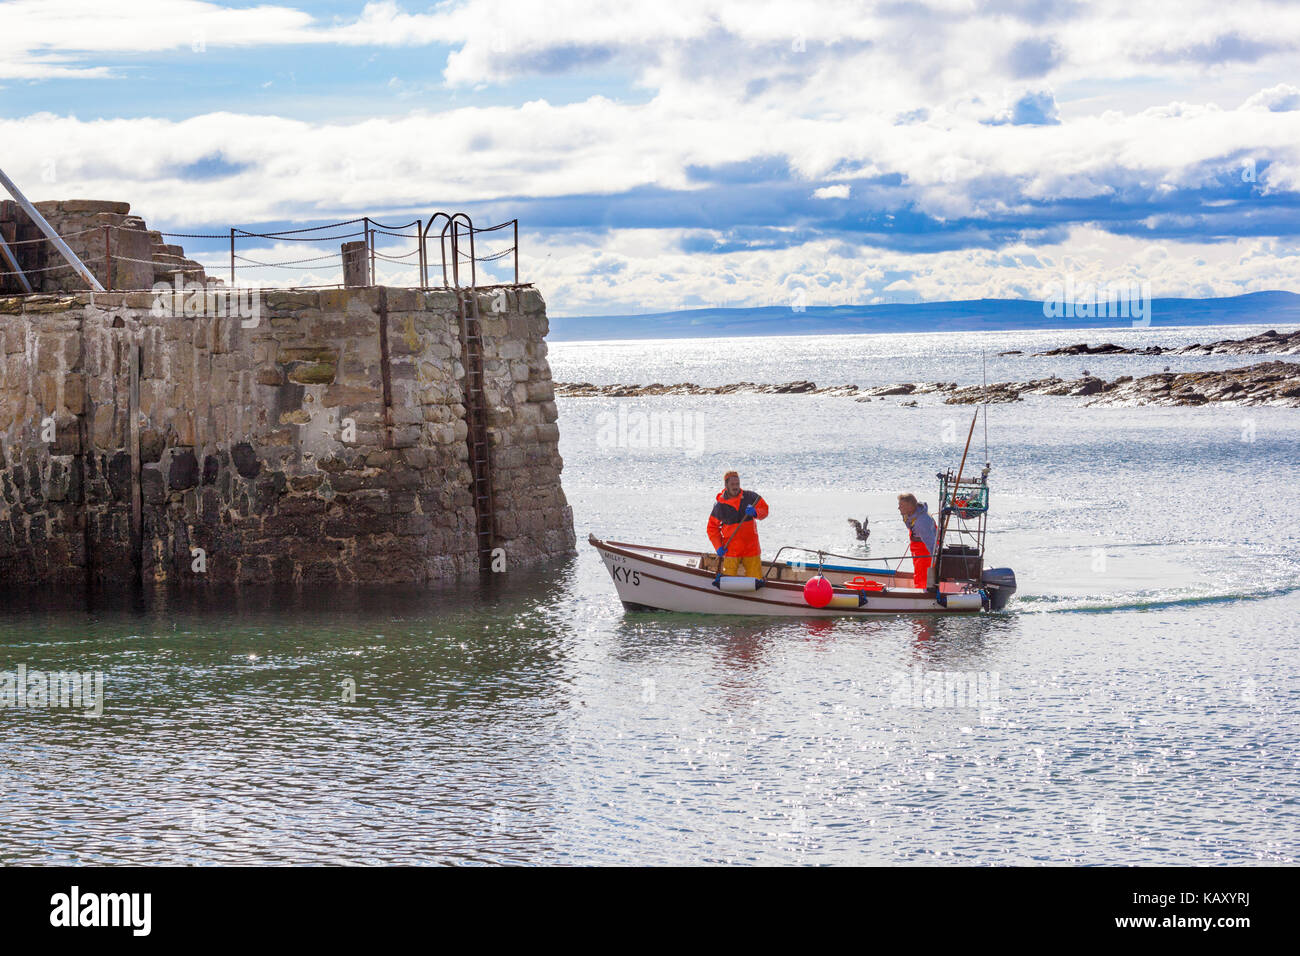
692	153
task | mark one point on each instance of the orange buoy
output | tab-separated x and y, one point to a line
818	592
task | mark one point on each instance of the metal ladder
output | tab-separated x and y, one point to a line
480	450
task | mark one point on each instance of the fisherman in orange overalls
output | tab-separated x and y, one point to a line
921	534
735	507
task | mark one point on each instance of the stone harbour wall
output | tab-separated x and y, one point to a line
117	247
323	440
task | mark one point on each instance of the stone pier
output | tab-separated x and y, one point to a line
322	440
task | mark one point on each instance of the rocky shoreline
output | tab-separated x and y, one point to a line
1266	343
1266	383
588	390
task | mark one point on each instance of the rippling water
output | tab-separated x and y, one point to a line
1145	702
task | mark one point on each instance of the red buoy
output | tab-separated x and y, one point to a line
818	592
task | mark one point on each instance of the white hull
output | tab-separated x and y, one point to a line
668	579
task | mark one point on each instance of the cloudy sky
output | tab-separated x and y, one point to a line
689	153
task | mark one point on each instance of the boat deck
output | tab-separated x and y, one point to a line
791	571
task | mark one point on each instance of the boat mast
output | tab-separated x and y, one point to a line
943	527
985	359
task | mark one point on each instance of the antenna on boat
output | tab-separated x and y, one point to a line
984	356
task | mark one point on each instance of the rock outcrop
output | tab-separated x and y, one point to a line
1268	383
1266	343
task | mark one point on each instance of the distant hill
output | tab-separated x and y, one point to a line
1274	308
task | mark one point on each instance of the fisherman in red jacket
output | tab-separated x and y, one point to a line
735	507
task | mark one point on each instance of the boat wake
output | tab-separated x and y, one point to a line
1051	604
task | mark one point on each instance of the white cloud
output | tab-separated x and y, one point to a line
1278	99
832	274
954	167
47	39
897	53
838	191
842	92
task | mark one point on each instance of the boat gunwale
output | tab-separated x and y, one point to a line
619	547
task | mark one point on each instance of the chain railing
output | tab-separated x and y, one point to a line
457	235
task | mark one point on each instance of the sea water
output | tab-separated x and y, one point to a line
1138	702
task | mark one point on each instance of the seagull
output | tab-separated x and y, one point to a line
860	528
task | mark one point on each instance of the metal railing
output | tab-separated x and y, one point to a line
454	224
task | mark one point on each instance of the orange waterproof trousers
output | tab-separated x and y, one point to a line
920	563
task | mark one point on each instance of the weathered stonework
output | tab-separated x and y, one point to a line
270	447
117	247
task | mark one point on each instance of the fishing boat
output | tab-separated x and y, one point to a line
803	582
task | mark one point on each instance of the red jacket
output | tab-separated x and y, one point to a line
727	513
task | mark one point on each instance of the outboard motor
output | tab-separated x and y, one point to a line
999	584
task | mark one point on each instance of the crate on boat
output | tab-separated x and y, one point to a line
961	562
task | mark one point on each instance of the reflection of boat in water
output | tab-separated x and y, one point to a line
649	577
